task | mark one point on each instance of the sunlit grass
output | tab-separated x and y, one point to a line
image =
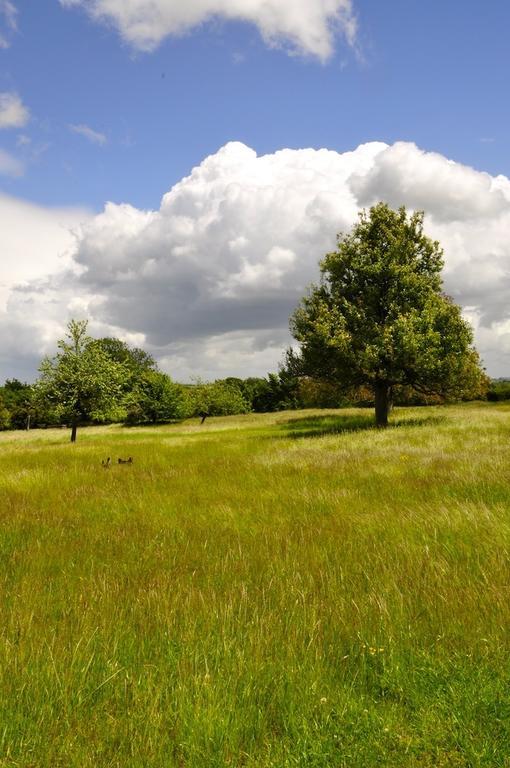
296	589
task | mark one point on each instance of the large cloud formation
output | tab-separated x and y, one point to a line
308	26
208	281
36	246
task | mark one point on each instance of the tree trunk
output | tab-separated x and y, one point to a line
382	403
74	428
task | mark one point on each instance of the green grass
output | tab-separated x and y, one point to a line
285	590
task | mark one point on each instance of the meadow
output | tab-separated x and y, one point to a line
292	589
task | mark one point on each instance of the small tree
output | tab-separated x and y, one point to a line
20	399
155	399
216	398
379	317
82	381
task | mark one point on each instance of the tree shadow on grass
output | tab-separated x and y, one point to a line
321	426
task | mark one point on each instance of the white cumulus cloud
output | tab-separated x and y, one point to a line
231	248
13	113
427	181
308	26
207	282
37	246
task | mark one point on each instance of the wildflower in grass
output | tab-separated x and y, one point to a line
373	650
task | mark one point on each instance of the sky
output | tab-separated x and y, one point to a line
174	172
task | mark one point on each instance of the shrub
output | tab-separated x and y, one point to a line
499	389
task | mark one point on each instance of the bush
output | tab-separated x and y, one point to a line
499	390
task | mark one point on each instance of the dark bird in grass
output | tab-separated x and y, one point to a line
106	463
125	461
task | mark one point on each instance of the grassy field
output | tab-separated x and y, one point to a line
293	589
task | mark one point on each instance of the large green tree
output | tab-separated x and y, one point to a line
81	381
379	316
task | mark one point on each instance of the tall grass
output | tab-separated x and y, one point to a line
285	590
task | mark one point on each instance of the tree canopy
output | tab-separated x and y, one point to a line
82	380
154	399
379	316
135	360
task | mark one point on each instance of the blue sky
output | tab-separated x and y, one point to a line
433	73
294	114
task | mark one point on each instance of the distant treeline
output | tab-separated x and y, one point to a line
499	389
150	396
